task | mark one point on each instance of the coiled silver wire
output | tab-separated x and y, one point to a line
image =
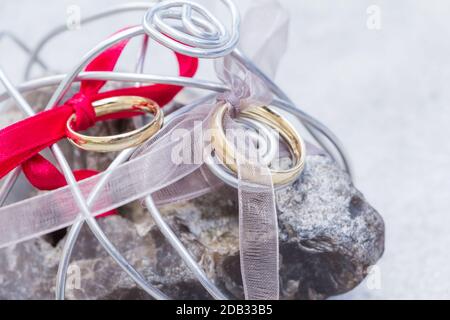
200	34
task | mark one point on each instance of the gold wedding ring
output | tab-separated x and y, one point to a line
121	141
227	153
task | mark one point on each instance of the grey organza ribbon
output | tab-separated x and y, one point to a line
258	226
258	223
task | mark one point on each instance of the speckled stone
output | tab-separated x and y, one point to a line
329	237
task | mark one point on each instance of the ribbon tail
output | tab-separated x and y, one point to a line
22	140
258	233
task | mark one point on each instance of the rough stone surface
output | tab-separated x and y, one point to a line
329	236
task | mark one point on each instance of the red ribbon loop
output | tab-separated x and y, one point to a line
21	142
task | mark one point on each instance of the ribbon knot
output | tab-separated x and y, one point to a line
258	224
246	89
21	142
233	101
84	111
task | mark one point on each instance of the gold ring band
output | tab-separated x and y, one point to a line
227	153
121	141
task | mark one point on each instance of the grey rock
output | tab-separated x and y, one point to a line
329	237
27	270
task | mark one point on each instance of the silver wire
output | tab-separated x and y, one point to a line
22	103
129	7
193	28
265	138
50	81
74	231
26	108
187	82
182	251
8	185
55	80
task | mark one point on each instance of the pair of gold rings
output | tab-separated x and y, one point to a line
223	148
228	154
121	141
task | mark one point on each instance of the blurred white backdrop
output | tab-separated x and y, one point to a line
382	90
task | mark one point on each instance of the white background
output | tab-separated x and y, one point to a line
385	93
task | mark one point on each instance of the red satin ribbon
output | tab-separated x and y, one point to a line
21	142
